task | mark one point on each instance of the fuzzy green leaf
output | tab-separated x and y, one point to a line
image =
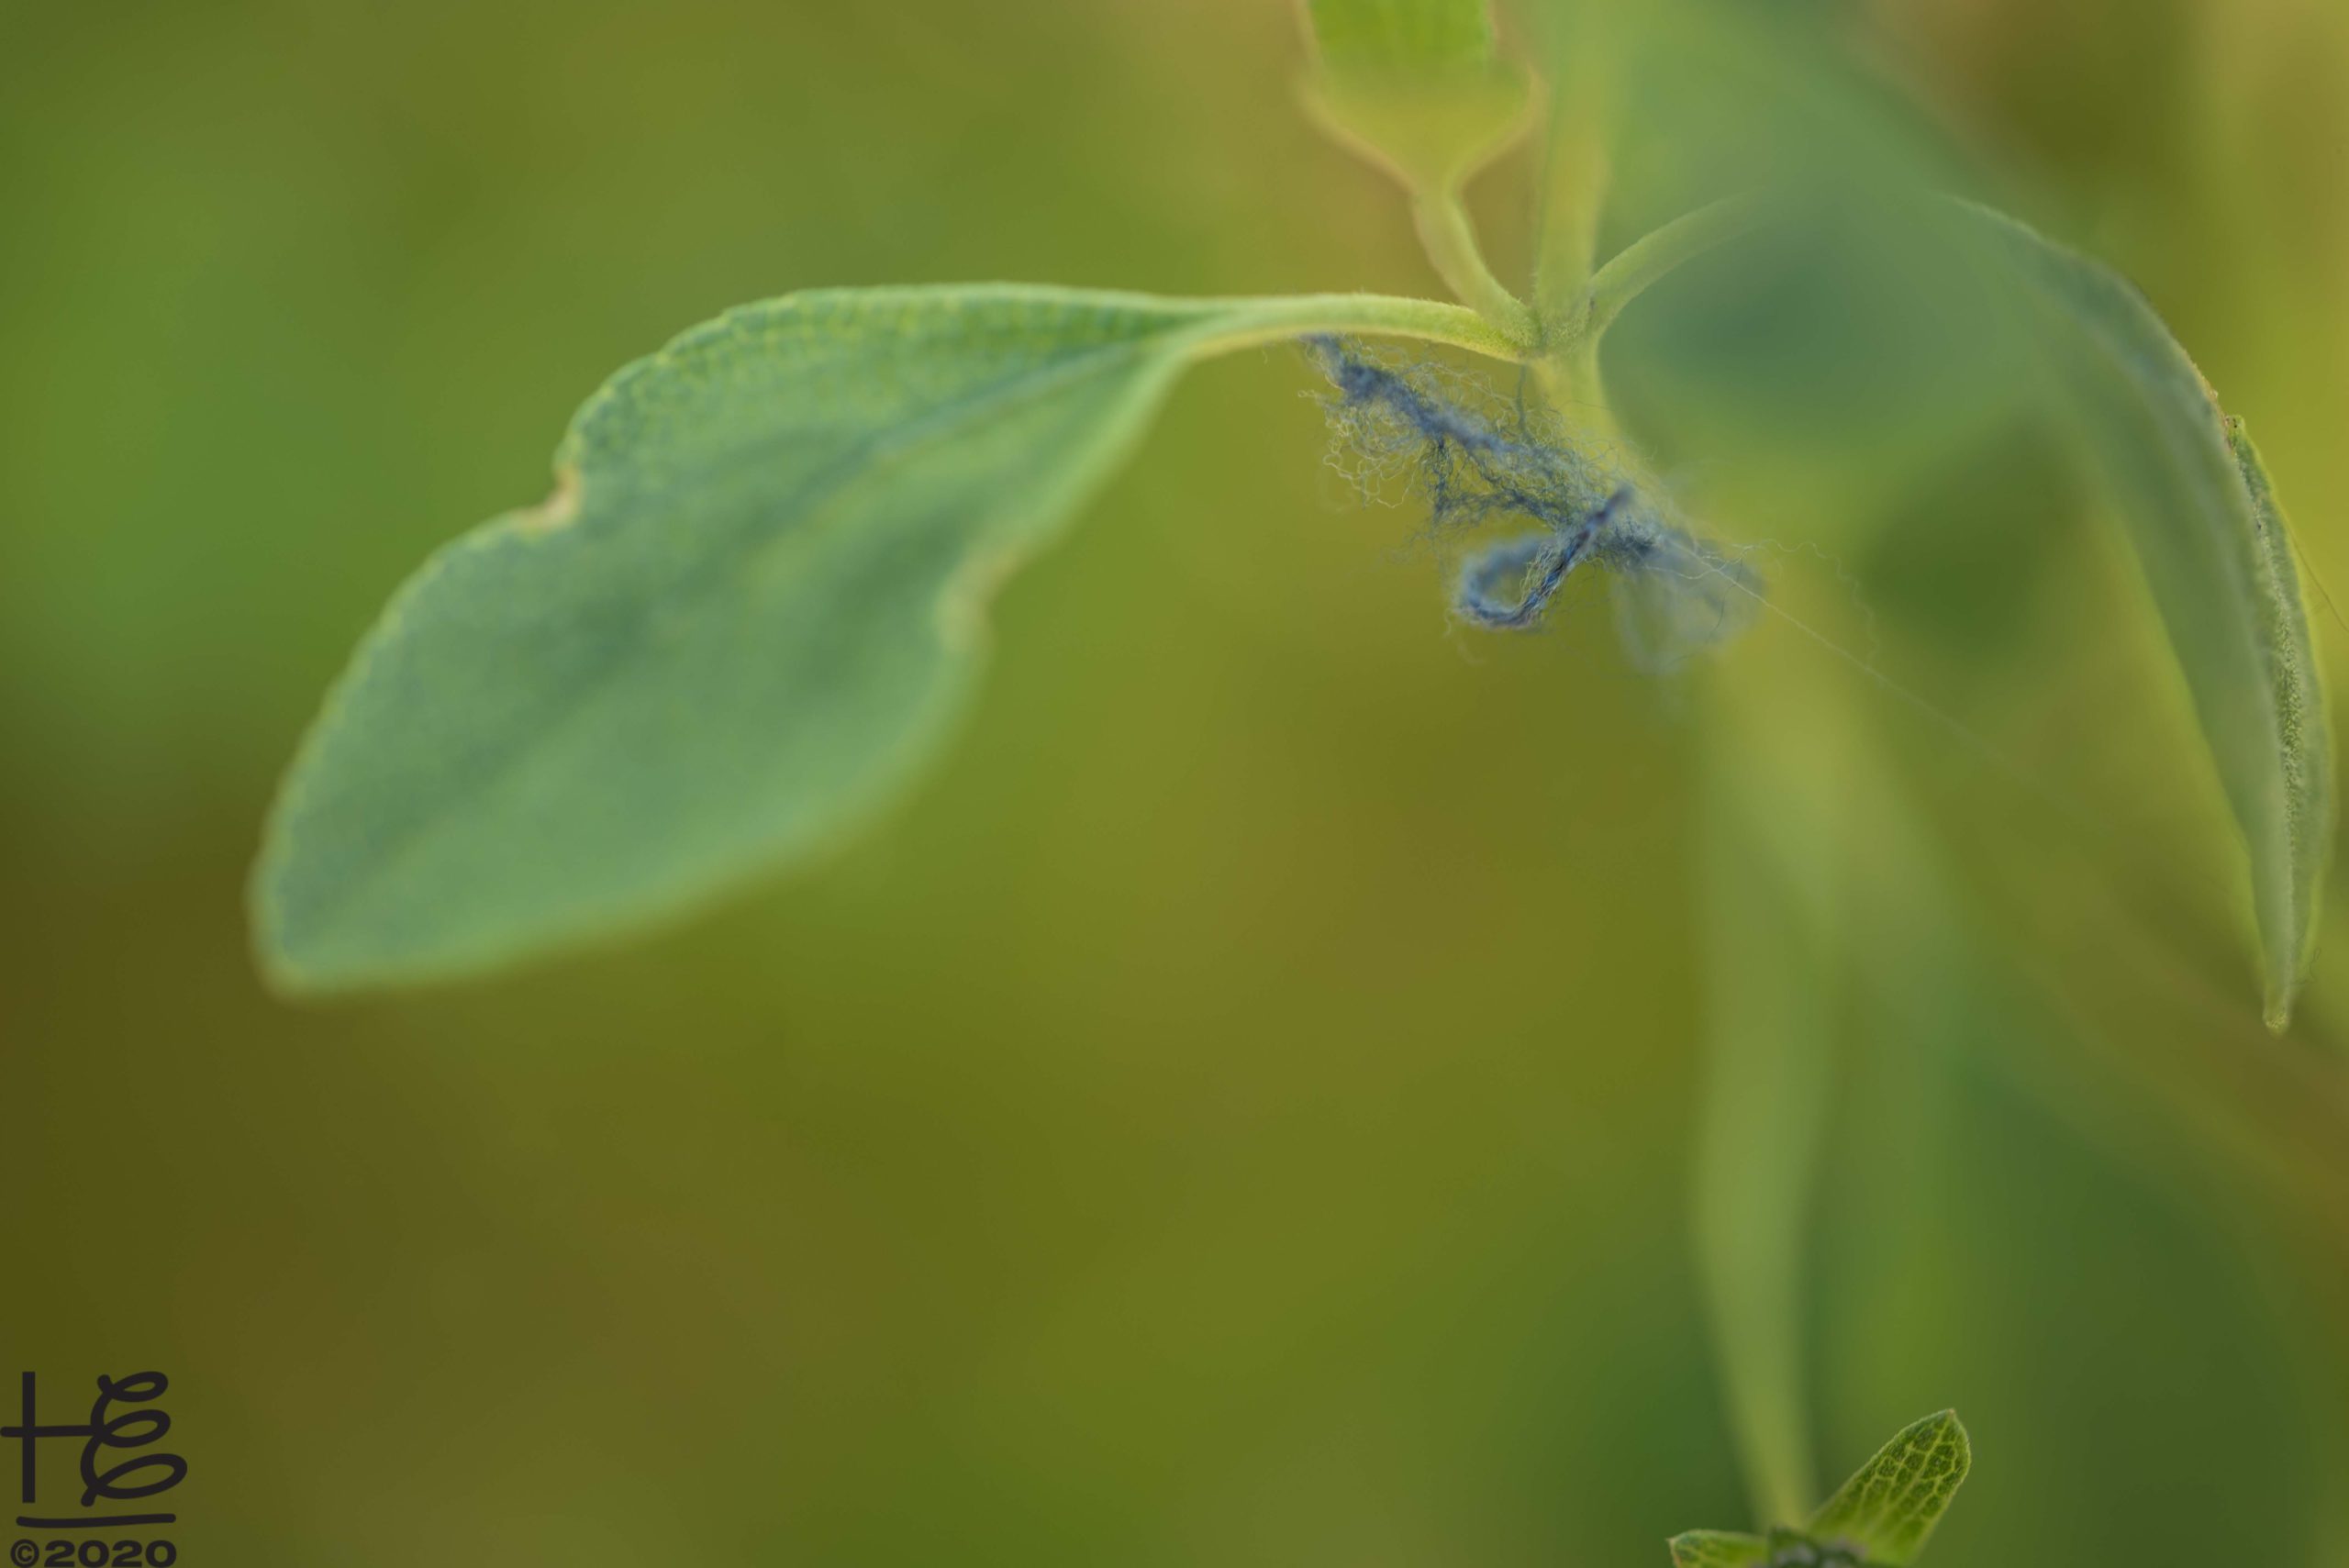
1885	1512
2214	549
1415	87
1717	1548
748	612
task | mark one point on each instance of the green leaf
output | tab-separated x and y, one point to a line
747	612
2217	554
1886	1509
1717	1548
1417	86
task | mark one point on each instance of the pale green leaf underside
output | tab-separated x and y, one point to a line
1891	1504
1717	1548
2216	553
749	611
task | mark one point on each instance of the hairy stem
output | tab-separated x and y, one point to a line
1246	323
1451	243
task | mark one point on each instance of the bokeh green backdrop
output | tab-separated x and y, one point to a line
1239	1110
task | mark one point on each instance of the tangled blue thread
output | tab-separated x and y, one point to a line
1538	562
1474	456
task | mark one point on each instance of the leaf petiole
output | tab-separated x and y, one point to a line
1629	273
1450	240
1650	259
1248	323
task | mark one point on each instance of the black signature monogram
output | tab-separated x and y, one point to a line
107	1430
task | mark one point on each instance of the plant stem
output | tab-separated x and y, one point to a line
1450	243
1648	259
1569	229
1246	323
1574	190
1772	889
1572	331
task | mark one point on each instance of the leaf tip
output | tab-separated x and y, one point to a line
284	978
1891	1504
283	974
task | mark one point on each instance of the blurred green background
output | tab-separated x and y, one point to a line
1239	1111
